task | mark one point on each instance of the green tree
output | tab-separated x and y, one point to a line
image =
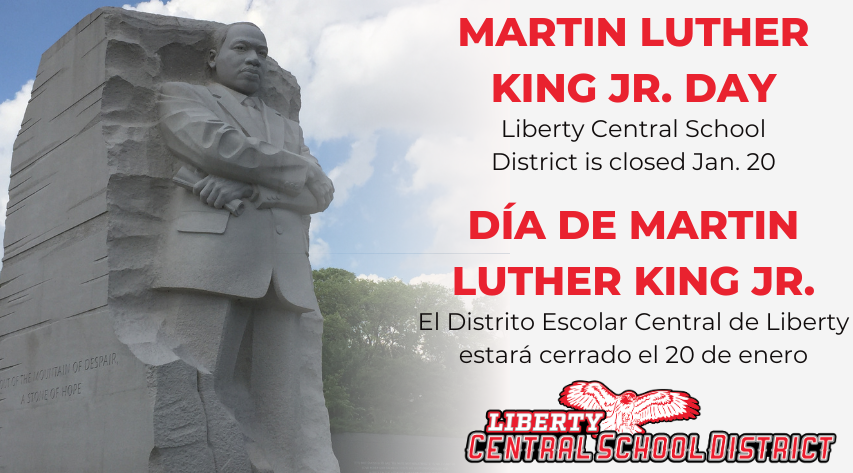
381	373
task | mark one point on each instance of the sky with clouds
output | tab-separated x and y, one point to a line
389	108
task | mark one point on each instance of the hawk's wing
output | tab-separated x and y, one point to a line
589	396
664	406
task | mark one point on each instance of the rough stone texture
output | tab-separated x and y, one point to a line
84	385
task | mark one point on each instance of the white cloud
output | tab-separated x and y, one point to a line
445	171
442	279
371	277
402	70
11	116
319	252
355	171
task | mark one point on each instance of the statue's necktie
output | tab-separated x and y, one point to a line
253	109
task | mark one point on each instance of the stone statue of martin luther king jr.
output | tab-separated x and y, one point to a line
235	261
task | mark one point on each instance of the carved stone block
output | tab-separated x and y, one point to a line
110	360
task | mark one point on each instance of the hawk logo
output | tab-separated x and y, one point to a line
628	412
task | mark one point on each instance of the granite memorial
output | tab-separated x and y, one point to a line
157	310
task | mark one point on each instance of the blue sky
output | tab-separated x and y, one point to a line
29	28
387	219
360	236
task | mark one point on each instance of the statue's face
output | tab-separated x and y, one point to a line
241	62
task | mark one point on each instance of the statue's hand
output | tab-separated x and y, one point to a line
320	186
217	191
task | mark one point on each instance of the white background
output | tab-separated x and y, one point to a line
806	117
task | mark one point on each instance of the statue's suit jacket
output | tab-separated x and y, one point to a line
210	250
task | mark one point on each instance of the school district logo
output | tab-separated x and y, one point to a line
615	423
628	412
